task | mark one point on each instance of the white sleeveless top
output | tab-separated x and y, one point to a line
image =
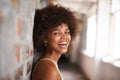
53	63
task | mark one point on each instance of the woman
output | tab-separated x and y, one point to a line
54	29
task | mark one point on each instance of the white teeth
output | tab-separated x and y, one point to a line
63	43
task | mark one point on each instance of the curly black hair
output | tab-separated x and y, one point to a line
48	18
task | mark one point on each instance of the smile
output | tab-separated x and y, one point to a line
63	44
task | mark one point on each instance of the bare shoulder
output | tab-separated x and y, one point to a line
45	70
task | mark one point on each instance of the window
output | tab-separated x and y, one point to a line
116	42
114	55
91	35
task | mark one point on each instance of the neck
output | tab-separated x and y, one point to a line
53	55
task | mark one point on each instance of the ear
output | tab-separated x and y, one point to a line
45	41
44	38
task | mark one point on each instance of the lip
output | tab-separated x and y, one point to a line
63	44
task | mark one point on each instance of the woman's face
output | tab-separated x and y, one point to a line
59	39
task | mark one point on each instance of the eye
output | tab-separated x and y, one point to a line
56	33
67	32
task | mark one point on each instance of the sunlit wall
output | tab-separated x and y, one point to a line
16	24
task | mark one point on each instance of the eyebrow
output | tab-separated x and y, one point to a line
56	29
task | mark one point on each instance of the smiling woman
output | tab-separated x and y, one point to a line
54	29
59	39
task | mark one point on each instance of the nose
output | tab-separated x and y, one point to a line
63	36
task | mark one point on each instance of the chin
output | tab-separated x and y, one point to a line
63	52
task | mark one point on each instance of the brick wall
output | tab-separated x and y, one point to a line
16	50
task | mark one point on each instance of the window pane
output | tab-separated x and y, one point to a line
116	46
91	35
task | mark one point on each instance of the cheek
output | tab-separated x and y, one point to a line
69	37
54	40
